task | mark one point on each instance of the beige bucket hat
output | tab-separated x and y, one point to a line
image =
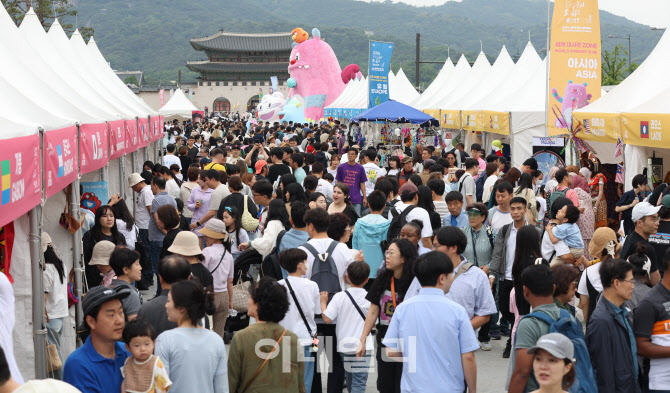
186	244
101	252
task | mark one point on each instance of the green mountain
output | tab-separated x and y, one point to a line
153	36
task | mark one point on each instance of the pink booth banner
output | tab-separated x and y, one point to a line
21	177
94	147
117	137
153	126
60	159
132	136
144	131
161	126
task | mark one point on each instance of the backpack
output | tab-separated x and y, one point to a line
398	220
555	193
321	158
324	270
270	266
585	380
479	186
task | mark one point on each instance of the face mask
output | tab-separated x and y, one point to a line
261	157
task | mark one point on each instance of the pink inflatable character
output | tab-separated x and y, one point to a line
575	98
316	75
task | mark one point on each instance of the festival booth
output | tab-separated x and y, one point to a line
62	106
635	111
435	86
178	105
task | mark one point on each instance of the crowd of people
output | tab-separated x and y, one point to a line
336	252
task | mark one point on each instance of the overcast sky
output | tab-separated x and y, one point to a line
655	13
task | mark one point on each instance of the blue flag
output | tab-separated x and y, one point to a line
378	72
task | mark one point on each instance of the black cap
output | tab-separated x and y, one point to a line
99	295
237	146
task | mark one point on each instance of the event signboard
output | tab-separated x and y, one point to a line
61	161
494	122
599	127
21	177
471	120
156	133
93	147
93	195
117	139
143	131
575	55
378	72
450	119
132	135
161	126
645	129
161	96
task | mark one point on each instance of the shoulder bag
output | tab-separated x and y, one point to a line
241	295
302	314
264	362
249	223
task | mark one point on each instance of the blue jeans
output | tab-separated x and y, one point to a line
358	207
54	334
309	368
356	372
155	252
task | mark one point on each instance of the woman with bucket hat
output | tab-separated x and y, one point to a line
219	261
186	245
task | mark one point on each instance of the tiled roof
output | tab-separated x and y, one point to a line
207	66
223	41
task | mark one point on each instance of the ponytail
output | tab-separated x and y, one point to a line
194	298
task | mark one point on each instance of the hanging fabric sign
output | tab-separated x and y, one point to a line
94	145
378	71
132	135
117	137
21	177
153	125
143	124
60	159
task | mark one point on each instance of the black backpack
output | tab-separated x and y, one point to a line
270	266
321	158
479	186
324	270
398	221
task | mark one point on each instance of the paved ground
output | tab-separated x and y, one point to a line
491	367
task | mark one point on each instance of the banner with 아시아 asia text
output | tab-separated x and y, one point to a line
117	139
378	72
575	55
94	145
61	161
143	131
21	177
132	135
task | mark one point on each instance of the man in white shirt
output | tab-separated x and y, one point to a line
143	204
466	184
323	186
170	158
500	215
372	170
409	196
317	221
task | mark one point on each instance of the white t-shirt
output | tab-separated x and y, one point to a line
144	199
417	213
56	303
172	188
441	208
46	385
373	172
307	293
543	208
129	235
488	185
7	319
324	187
341	255
349	323
467	186
218	195
548	248
170	159
499	219
593	272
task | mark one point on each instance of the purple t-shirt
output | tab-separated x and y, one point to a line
352	176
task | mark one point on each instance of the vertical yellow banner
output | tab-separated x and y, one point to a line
575	53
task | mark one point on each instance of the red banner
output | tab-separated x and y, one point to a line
132	136
21	177
117	138
153	127
161	126
161	96
144	131
94	147
60	159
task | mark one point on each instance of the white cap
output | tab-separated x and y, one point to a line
644	209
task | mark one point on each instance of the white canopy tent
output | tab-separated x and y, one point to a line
449	85
479	71
178	105
402	90
435	85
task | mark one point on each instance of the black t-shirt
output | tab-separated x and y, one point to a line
276	171
661	239
627	215
167	242
385	301
192	152
630	246
653	313
199	271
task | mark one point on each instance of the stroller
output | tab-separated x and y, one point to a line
242	266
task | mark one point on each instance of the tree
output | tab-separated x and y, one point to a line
131	80
615	66
47	11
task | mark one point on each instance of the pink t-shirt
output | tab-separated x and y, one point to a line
482	164
571	195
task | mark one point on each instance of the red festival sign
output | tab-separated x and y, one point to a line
21	177
94	146
143	123
60	159
117	139
132	135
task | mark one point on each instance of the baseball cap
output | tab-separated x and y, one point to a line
101	252
236	146
259	166
644	209
557	345
665	201
100	295
408	189
406	159
135	178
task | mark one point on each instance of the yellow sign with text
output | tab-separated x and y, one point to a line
471	121
646	129
598	127
450	119
495	122
432	112
575	70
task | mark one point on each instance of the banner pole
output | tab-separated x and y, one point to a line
546	59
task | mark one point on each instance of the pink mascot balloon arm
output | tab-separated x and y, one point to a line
575	97
316	75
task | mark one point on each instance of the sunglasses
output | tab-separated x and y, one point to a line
474	213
